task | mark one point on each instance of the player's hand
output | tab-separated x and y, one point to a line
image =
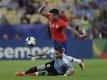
33	55
45	3
83	36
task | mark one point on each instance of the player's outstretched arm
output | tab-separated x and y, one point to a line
38	54
42	10
76	32
46	53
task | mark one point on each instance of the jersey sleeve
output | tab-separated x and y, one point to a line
69	58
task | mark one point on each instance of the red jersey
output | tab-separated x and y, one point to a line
57	29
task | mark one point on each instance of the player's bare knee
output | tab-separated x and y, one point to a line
72	72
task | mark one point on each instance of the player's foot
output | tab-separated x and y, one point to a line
20	73
82	65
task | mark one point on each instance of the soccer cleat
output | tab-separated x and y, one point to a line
20	73
82	65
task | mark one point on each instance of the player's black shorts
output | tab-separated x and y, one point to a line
50	69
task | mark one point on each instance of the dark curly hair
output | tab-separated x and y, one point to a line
54	11
59	48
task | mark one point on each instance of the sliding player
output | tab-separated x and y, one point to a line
60	65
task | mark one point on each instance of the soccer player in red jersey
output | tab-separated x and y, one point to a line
57	26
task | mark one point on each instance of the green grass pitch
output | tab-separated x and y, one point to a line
95	70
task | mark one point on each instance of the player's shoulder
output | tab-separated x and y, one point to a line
66	56
66	60
61	20
51	51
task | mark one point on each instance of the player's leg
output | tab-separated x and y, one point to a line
43	73
39	74
35	69
50	69
31	71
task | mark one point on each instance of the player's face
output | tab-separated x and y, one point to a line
58	55
54	17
